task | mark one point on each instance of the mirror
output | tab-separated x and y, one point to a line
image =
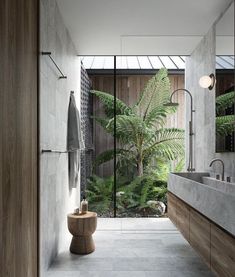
225	117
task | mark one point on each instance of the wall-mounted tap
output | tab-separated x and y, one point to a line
214	160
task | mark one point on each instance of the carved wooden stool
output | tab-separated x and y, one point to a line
82	227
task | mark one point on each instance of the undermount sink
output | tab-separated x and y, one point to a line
205	179
194	176
223	186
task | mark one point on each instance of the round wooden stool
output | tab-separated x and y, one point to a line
82	227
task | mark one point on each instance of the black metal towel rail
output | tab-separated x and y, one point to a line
67	151
56	151
49	55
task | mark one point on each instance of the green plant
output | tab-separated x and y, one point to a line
100	194
224	101
225	124
133	195
152	186
140	130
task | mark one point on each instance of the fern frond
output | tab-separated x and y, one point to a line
144	193
108	155
102	121
158	115
168	143
155	93
108	102
165	134
169	149
180	165
129	128
225	101
225	125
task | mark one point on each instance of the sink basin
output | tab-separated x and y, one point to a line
194	176
220	185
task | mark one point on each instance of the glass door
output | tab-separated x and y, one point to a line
132	185
100	185
136	138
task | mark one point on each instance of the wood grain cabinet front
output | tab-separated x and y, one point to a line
222	252
199	236
178	213
171	207
182	213
212	243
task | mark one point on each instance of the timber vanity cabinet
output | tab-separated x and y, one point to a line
214	244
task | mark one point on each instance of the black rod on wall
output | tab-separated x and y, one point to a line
56	151
49	55
115	142
66	151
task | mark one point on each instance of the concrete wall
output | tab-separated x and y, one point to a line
202	62
56	200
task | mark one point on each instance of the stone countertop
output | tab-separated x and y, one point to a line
226	187
215	204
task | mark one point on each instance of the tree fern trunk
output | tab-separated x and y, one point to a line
140	168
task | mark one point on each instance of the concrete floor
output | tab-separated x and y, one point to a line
131	247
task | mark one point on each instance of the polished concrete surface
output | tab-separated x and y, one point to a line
131	247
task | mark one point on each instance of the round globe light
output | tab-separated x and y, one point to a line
205	81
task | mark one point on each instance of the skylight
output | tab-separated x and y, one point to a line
148	62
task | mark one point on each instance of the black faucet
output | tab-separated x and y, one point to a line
214	160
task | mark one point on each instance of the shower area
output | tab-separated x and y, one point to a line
115	95
107	90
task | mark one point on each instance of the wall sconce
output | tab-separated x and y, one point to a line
207	81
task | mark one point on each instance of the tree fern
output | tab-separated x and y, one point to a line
224	101
128	128
137	128
155	94
102	121
108	102
109	155
158	115
225	125
171	150
167	141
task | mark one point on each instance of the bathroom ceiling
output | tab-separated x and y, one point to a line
225	33
139	27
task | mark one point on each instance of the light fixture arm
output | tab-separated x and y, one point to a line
190	165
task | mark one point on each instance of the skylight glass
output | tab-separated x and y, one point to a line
98	63
178	61
109	62
87	61
229	60
144	62
148	62
156	63
218	66
121	62
220	60
168	62
132	62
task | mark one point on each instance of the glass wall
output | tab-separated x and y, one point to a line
100	185
137	139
